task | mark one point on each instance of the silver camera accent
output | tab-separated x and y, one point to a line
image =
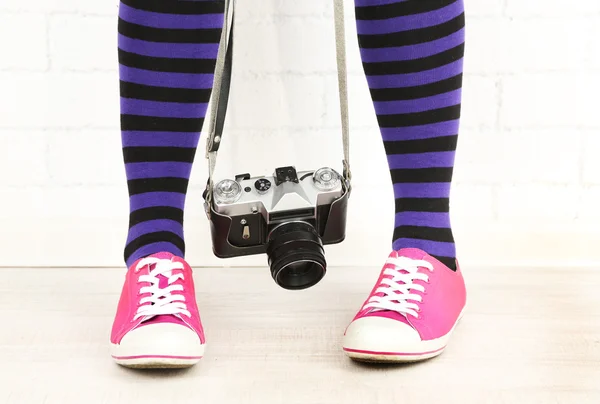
273	196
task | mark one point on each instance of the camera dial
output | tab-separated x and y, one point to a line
227	191
262	185
326	179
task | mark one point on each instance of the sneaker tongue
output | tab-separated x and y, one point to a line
164	318
164	283
163	255
160	255
412	253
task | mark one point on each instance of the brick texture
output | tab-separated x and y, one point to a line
528	149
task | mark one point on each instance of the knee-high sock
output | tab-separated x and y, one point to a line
167	57
412	53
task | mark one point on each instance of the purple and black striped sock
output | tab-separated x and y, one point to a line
167	57
412	53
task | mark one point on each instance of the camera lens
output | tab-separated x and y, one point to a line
296	256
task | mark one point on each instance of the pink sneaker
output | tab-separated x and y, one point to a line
410	313
157	323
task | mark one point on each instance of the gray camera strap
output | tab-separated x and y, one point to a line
222	85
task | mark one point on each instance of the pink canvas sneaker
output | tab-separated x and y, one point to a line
410	313
157	323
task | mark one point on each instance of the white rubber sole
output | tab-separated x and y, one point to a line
393	357
158	361
413	351
162	345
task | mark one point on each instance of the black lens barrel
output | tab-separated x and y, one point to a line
296	255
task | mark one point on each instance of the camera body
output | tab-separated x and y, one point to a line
289	216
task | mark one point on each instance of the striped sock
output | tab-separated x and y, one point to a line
167	57
412	53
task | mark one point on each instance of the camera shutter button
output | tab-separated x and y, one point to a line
262	185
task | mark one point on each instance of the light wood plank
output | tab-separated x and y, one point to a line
529	336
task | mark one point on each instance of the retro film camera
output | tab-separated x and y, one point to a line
289	215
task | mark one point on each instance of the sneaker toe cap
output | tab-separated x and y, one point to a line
380	334
162	339
166	333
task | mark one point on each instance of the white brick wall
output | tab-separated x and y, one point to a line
69	52
32	33
527	174
106	7
565	99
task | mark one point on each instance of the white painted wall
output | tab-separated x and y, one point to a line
527	187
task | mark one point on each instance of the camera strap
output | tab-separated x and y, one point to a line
222	84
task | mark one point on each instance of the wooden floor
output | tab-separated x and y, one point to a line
529	336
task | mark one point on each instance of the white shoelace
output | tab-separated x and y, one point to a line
161	301
396	291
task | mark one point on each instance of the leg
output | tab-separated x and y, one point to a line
412	53
413	63
167	56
